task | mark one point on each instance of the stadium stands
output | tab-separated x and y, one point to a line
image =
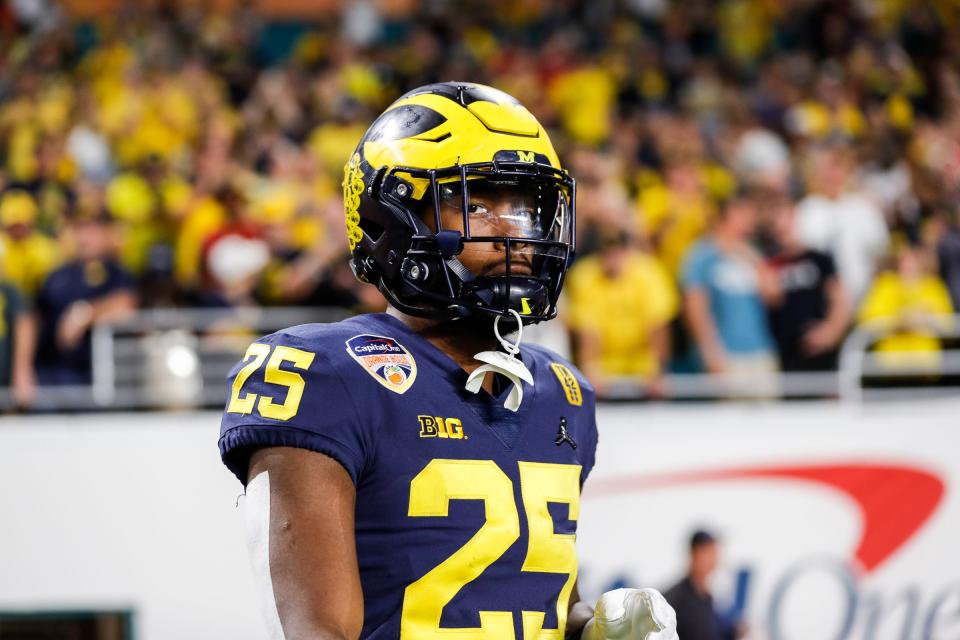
161	158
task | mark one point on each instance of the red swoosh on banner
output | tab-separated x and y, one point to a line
895	500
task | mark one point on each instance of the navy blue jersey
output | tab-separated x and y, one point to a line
466	512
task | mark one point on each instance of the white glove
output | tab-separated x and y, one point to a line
632	614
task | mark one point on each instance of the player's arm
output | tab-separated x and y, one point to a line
306	531
578	615
621	614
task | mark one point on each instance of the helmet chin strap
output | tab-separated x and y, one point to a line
506	364
459	268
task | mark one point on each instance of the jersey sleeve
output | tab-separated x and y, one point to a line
591	434
566	386
586	434
287	392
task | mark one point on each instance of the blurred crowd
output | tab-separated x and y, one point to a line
755	177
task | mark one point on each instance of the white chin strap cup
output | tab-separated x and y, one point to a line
506	364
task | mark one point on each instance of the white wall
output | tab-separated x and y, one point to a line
125	510
135	510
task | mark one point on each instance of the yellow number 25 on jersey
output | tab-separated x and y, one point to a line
547	552
273	375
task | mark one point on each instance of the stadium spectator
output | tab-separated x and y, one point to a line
89	288
662	111
28	255
761	160
602	198
234	255
40	16
295	219
674	214
948	258
697	619
812	312
837	220
912	303
18	339
621	302
724	284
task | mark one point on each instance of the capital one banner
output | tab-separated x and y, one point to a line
835	522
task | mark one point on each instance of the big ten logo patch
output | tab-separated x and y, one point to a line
437	427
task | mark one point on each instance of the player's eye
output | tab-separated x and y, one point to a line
478	209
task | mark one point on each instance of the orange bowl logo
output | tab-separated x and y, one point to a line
385	359
394	374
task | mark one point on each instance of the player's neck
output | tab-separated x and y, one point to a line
459	340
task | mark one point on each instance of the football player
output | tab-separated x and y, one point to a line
417	474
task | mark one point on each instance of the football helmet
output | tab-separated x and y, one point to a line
450	170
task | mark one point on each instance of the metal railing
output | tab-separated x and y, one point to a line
170	358
179	358
707	386
858	362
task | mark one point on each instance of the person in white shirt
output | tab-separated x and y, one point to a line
836	219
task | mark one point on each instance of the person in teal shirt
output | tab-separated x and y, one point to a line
725	283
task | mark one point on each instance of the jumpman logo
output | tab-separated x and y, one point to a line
563	436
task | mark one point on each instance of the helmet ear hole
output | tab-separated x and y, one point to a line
361	269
